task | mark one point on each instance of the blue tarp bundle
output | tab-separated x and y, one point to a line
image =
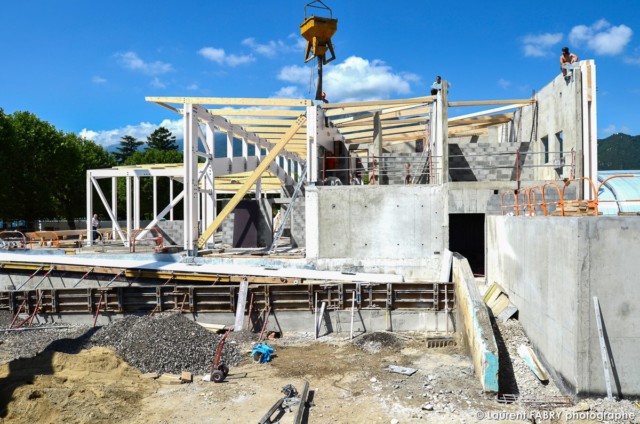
265	350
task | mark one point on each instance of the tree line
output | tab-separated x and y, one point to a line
43	170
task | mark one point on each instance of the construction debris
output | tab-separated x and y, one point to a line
497	300
375	342
530	358
401	370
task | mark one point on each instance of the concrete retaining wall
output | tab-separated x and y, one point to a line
474	325
551	268
377	224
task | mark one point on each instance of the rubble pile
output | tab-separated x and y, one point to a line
374	342
166	343
29	343
522	381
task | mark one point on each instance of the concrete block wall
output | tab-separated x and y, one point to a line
552	267
489	161
298	226
265	224
173	232
393	165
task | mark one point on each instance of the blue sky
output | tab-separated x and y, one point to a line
86	67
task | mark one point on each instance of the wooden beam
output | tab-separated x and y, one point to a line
387	123
485	112
365	134
479	132
270	122
377	103
231	101
482	119
412	136
264	165
390	112
256	112
492	102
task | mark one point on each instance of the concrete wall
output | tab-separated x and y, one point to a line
552	267
473	325
377	225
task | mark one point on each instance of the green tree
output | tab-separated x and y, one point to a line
44	170
152	156
161	139
128	146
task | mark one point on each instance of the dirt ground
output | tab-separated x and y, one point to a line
348	384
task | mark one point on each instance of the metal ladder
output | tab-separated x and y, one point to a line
294	196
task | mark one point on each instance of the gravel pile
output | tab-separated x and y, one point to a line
374	342
29	343
166	343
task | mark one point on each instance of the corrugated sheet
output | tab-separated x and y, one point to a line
619	194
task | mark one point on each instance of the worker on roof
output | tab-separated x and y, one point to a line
566	58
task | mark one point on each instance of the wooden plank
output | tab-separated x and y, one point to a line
409	136
390	131
532	361
398	111
485	112
231	101
264	165
603	348
240	306
375	103
492	102
481	119
392	122
255	112
269	122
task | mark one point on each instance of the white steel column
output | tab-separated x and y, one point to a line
114	205
136	201
190	179
312	143
209	179
259	181
89	190
128	197
171	197
155	196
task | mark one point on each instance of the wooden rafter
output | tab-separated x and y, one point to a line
232	101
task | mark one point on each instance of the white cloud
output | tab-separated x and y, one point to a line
613	129
632	60
141	131
601	37
295	74
289	92
156	83
273	48
503	83
130	60
540	45
97	79
355	79
193	87
221	57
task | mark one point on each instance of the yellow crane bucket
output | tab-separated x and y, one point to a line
318	32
